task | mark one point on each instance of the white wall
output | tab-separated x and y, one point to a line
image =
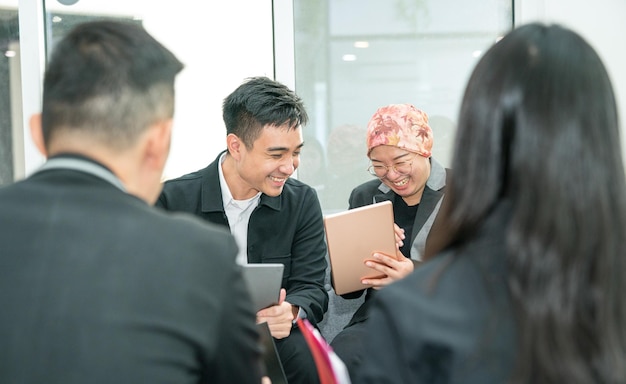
601	22
224	43
220	42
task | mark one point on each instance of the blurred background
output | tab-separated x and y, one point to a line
345	58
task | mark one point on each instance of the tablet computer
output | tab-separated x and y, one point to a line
352	236
264	283
273	367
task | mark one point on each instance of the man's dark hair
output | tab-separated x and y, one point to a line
258	102
109	80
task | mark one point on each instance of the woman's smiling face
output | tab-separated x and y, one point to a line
409	186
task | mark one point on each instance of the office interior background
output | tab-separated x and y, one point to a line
345	58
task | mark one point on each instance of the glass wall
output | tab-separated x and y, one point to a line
353	56
9	88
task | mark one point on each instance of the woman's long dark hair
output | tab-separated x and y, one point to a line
538	127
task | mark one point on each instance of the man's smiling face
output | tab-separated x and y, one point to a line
273	158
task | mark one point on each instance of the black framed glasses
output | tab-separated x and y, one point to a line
401	168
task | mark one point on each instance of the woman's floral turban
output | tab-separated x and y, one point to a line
402	126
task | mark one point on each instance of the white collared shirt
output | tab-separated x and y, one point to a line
238	213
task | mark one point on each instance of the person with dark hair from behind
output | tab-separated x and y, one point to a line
96	285
274	218
399	144
527	285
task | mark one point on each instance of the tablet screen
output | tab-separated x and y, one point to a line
352	236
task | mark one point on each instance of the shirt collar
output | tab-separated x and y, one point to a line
82	164
227	197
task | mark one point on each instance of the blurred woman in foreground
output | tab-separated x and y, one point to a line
527	285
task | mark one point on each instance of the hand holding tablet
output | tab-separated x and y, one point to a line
352	237
264	283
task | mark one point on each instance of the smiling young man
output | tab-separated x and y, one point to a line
274	218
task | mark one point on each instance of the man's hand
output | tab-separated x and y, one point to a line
279	317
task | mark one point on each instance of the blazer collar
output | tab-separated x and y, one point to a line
82	164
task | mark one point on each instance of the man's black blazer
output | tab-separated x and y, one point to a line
96	286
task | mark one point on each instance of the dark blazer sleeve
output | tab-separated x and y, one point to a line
450	321
308	267
384	363
403	344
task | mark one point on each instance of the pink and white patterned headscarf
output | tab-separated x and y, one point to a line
402	126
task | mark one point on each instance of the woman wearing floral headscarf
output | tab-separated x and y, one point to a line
399	144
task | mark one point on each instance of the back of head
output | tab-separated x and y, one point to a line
108	81
538	119
538	127
258	102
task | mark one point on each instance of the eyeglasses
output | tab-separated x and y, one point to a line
401	168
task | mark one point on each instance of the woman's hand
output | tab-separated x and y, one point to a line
399	237
392	269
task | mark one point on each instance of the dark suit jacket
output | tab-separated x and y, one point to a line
451	321
285	229
96	286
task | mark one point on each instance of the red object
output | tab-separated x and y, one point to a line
321	352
